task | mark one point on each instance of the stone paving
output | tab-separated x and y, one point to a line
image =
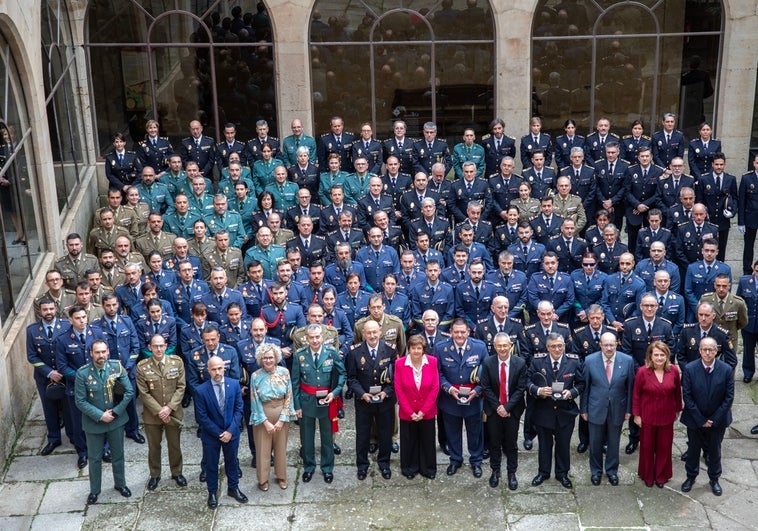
49	493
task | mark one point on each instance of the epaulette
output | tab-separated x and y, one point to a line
629	319
274	138
571	355
393	317
664	176
539	354
626	136
624	160
132	152
564	168
515	320
599	161
485	137
690	325
189	138
722	329
329	133
660	167
646	137
530	326
143	362
511	137
562	325
665	320
353	347
580	329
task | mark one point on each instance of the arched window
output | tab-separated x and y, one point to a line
625	60
213	63
402	59
20	242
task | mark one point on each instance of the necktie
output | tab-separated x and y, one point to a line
135	293
260	292
676	185
430	228
718	182
721	306
81	338
586	280
305	244
339	141
400	146
649	330
552	283
497	145
654	234
155	328
101	374
608	369
408	279
460	352
597	337
513	232
155	143
708	370
687	213
121	159
503	384
109	276
539	176
555	369
188	289
376	254
526	250
373	353
431	342
237	330
576	175
337	211
430	146
644	173
220	396
568	246
463	277
536	140
393	180
610	169
476	291
366	146
113	327
668	138
704	335
660	301
50	332
705	145
220	300
501	328
355	301
376	201
468	187
708	270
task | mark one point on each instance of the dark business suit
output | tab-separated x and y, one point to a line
213	422
502	432
707	396
606	406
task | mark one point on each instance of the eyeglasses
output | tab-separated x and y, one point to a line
588	264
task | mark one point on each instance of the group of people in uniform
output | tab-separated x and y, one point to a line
335	250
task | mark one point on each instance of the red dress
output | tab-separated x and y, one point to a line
658	404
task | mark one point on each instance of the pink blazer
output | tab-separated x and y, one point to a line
411	400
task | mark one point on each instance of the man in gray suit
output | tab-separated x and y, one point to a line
606	403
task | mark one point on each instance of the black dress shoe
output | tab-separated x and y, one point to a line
684	456
565	481
582	447
124	491
337	449
716	488
202	477
107	456
137	437
613	479
153	483
362	475
307	476
494	479
180	480
595	479
186	401
528	444
340	413
512	481
687	485
239	471
476	470
395	448
538	480
92	499
486	454
631	447
452	468
372	448
386	473
49	447
445	450
747	379
252	462
409	476
212	501
328	477
82	461
237	495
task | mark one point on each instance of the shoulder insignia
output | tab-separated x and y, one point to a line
665	320
562	325
515	320
629	319
690	325
571	355
580	329
485	137
540	355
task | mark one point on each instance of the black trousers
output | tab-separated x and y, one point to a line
749	341
384	416
708	440
748	251
561	436
417	452
502	434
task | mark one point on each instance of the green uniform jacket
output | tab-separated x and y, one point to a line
328	372
94	397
